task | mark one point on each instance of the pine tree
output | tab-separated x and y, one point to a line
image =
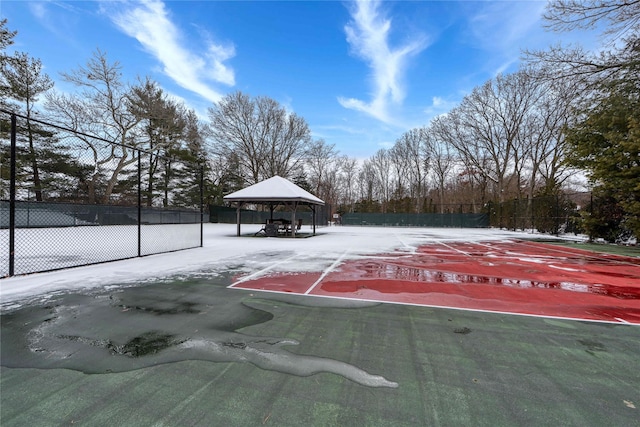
606	144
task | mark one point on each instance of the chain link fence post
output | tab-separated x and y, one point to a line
12	197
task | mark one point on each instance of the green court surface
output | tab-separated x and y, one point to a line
118	357
631	251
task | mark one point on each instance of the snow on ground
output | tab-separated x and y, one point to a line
223	251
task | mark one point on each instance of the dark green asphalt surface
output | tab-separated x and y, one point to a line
192	352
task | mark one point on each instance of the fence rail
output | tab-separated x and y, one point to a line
51	183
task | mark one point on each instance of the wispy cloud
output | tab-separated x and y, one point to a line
504	38
368	36
150	23
38	9
491	28
60	25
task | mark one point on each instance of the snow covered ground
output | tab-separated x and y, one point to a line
224	252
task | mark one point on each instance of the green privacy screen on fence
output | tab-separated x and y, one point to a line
459	220
225	214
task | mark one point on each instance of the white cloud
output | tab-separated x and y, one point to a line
48	15
503	29
149	22
501	26
386	144
439	105
367	34
38	9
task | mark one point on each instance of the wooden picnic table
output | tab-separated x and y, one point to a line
280	226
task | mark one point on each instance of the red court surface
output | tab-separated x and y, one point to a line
516	277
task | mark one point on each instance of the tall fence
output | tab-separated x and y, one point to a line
545	214
556	214
69	199
458	220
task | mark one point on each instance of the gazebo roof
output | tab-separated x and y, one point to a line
275	189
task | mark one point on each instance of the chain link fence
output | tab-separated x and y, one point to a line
69	199
456	220
557	214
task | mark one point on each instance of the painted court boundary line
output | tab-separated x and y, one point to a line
261	272
446	307
588	253
455	249
327	271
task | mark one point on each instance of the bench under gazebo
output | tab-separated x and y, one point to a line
274	192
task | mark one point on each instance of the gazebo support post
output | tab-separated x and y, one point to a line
238	218
293	219
313	218
293	207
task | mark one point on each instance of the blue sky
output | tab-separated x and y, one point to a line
360	73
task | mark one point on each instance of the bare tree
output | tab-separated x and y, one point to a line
380	165
442	162
320	159
569	15
400	178
348	174
366	184
100	109
619	60
543	135
266	138
413	151
485	128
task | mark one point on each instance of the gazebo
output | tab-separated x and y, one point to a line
273	192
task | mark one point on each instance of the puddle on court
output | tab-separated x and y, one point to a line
535	283
138	327
404	276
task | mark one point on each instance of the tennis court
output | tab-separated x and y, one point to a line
334	330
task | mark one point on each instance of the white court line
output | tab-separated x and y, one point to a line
455	249
261	272
327	271
509	254
590	254
491	246
477	310
412	249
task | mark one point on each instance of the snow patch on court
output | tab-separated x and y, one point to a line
557	267
223	252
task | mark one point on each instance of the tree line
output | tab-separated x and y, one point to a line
564	113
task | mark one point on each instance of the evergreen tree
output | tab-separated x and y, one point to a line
163	122
187	162
606	144
25	81
6	40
